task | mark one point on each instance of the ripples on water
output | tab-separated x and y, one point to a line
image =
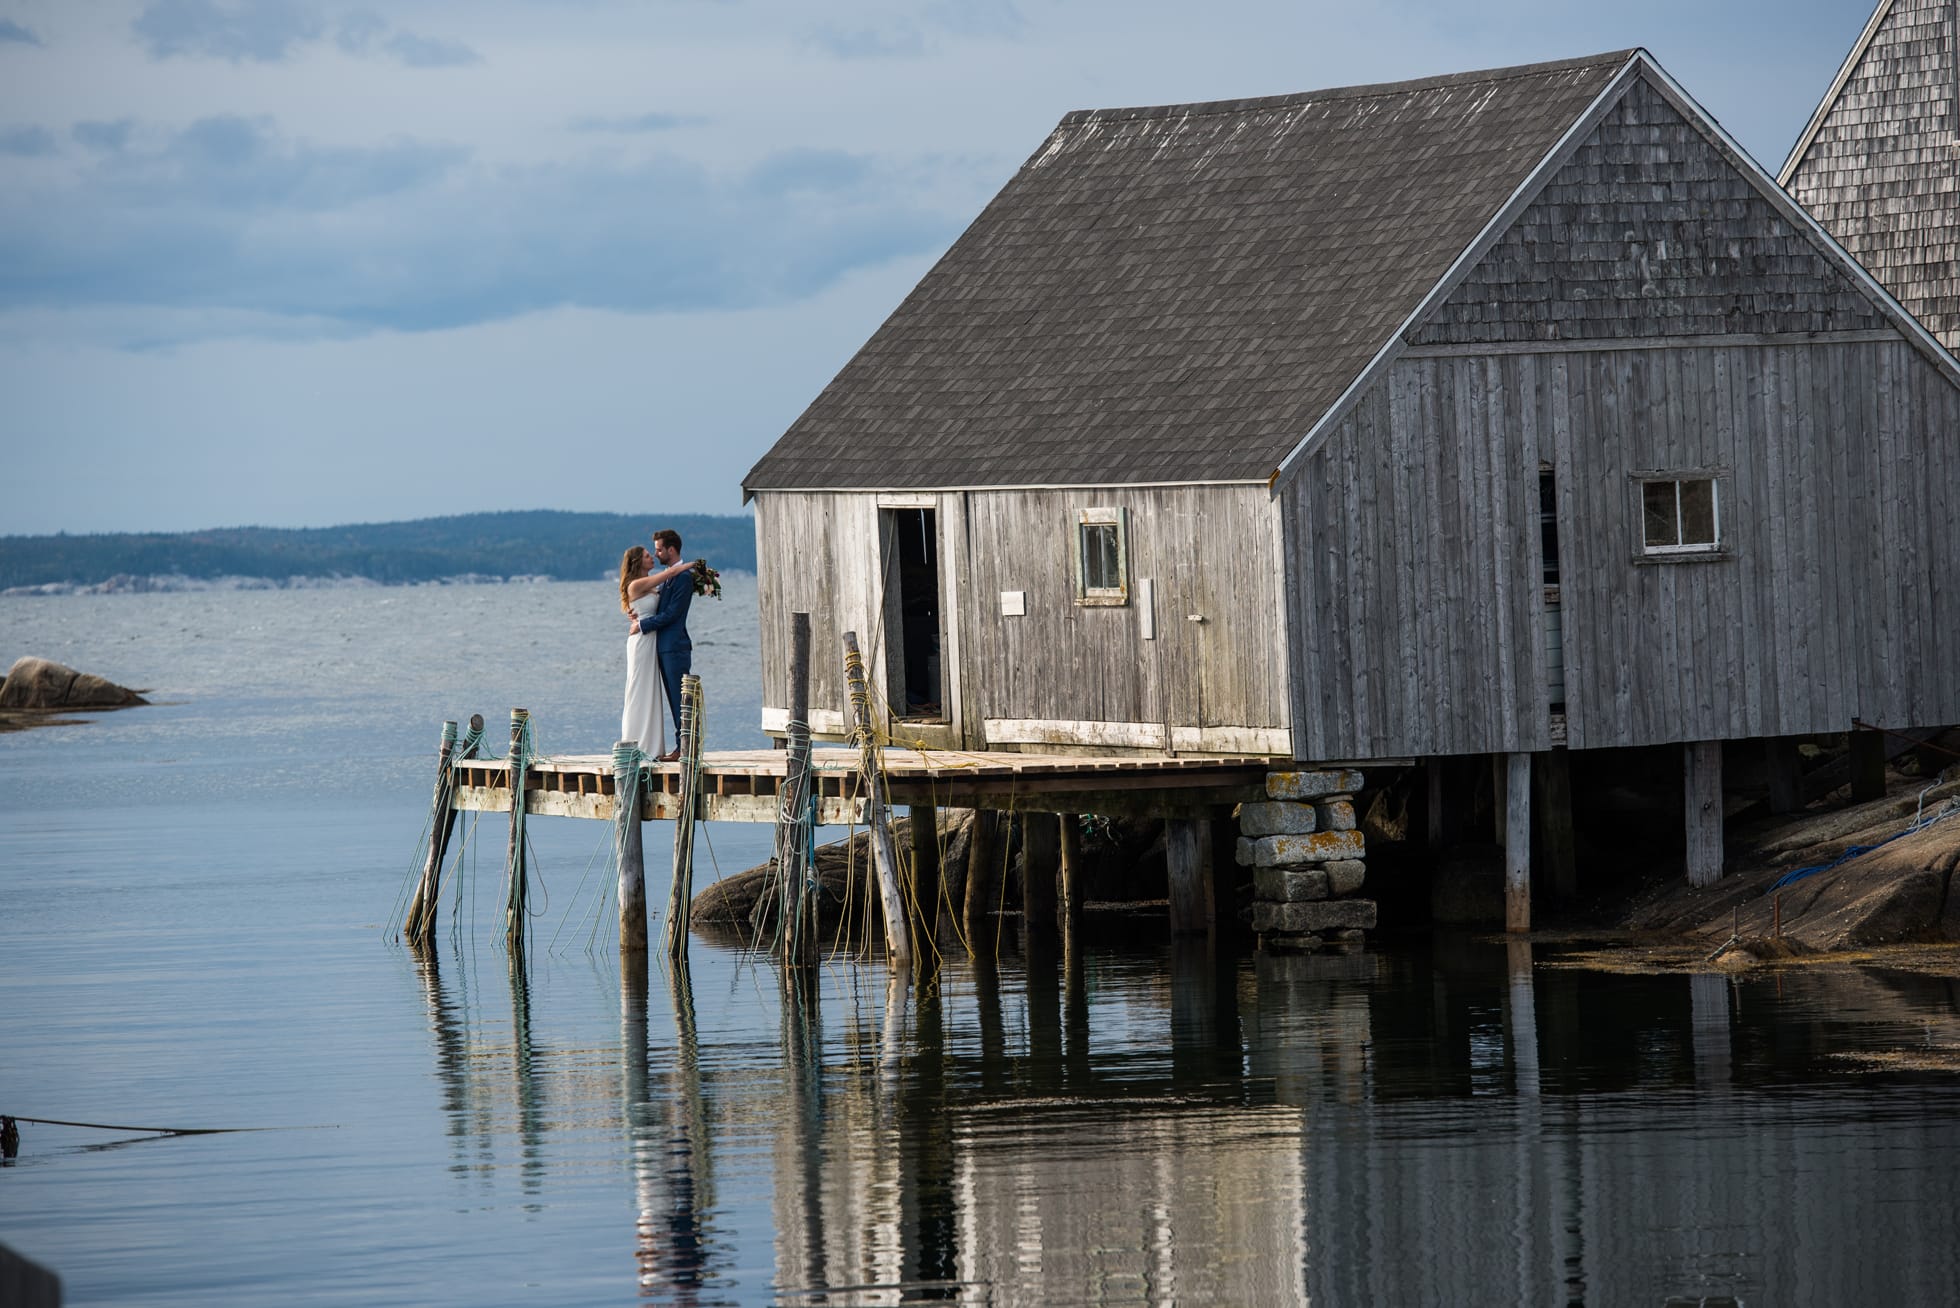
195	898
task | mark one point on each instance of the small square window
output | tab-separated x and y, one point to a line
1102	564
1680	515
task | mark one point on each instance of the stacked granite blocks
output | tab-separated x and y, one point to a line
1305	854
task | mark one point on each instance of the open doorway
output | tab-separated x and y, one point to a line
912	639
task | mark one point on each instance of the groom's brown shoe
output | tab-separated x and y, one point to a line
671	756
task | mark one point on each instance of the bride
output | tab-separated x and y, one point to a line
644	718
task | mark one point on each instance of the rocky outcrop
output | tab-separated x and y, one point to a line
1864	884
44	686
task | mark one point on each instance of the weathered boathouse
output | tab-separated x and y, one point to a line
1499	414
1877	162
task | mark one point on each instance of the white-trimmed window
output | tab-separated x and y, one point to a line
1681	515
1102	556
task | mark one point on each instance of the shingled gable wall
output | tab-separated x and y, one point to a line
1881	169
1649	231
1415	598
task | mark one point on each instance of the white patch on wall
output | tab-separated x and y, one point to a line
1147	608
1013	604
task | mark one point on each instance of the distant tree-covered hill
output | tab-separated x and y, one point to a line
539	543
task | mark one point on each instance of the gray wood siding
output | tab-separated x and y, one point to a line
1838	465
1648	230
1882	173
1413	552
817	554
1211	550
1413	567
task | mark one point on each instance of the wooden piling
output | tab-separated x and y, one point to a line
1702	802
982	878
1071	887
1551	779
1867	765
1187	854
1516	812
516	908
420	922
877	816
924	827
680	901
1040	868
629	848
1784	768
796	904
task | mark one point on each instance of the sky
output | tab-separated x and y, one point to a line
303	262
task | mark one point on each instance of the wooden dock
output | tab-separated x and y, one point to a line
744	785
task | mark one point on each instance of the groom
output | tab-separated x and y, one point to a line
669	619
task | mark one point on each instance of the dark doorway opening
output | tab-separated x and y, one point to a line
912	613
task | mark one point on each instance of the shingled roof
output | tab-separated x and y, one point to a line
1177	294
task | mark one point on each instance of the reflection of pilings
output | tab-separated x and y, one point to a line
1531	1196
1708	998
993	1030
1204	1012
452	1043
1075	1017
663	1141
800	1253
530	1116
926	1151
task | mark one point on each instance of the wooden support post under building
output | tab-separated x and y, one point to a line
1040	868
1867	765
1187	855
1783	767
1551	783
1702	809
1516	789
1071	883
680	896
982	877
877	814
629	849
924	824
517	889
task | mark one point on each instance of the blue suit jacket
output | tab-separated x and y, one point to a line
669	616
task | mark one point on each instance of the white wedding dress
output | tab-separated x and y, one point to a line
644	718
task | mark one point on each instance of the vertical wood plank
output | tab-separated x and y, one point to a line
1517	842
1187	852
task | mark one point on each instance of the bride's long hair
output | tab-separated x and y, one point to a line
627	574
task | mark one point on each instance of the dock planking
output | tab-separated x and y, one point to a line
743	785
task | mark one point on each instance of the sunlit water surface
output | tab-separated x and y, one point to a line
195	902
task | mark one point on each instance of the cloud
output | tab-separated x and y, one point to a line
103	136
261	30
431	52
649	122
364	32
27	141
902	41
12	31
229	221
267	31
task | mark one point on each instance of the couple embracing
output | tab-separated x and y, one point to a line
658	652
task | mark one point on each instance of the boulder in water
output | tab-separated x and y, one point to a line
42	685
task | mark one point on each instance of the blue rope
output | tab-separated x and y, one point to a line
1918	824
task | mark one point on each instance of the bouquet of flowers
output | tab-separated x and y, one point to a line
706	580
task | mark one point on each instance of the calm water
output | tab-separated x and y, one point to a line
194	903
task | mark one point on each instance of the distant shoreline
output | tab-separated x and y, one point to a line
466	549
171	584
